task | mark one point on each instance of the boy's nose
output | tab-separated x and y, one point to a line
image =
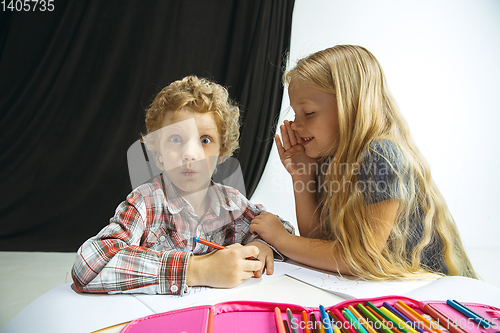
191	151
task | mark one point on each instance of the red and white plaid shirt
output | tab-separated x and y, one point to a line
147	244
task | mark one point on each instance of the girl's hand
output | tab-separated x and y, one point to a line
265	256
270	228
292	153
226	268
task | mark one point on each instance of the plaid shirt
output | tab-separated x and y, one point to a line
147	244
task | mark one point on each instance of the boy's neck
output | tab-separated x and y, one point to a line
199	201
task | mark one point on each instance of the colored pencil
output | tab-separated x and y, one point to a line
306	322
386	317
436	314
287	328
216	246
403	317
430	325
325	319
345	322
290	320
469	313
354	322
387	324
210	323
338	321
314	322
279	320
400	322
379	324
362	320
418	322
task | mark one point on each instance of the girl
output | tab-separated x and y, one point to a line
365	200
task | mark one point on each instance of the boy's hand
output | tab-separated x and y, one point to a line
292	153
223	268
270	228
265	256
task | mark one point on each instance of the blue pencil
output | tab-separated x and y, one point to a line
327	324
468	313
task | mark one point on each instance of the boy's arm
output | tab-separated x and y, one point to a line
250	211
115	261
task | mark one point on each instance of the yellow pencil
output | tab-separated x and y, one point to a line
401	323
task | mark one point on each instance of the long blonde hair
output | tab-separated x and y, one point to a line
367	114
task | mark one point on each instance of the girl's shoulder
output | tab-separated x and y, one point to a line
384	151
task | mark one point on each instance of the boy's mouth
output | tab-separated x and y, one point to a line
188	172
306	140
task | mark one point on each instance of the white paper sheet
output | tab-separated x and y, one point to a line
163	303
63	310
350	287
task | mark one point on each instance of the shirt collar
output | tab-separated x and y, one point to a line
218	197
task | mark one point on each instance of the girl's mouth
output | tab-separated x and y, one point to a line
306	140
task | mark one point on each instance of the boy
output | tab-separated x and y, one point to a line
148	246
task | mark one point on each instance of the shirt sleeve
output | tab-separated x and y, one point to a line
249	212
381	173
114	261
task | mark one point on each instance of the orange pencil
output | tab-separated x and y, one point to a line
433	328
210	323
442	319
306	322
216	246
419	323
279	321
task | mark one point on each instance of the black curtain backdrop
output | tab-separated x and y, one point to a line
74	84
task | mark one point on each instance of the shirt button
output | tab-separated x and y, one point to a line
174	288
162	238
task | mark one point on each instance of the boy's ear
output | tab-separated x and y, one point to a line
221	159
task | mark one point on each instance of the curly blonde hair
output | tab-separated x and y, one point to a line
198	95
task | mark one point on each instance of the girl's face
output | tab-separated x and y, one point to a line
189	149
316	118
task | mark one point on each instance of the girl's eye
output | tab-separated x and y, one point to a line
175	139
308	114
205	140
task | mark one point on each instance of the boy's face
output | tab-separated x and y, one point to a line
189	149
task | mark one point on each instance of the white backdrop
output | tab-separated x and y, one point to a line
442	62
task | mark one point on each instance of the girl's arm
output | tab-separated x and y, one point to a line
323	254
303	171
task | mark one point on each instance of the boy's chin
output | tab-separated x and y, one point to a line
191	187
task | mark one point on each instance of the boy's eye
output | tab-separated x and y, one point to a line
175	139
205	140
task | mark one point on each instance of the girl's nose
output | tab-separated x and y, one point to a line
296	125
